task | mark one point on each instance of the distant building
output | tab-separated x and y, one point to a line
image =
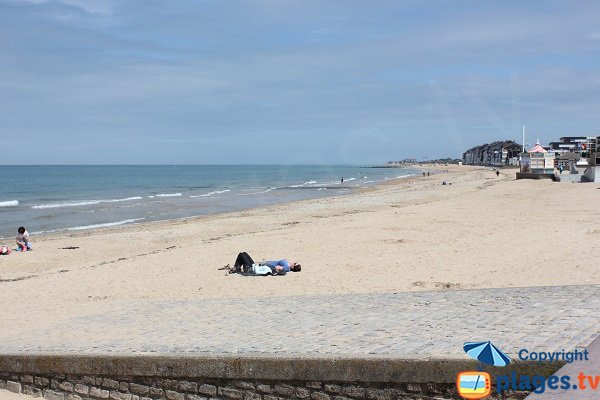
501	153
575	150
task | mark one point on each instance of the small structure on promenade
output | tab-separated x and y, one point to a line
536	163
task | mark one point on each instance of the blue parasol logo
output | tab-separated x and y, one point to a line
486	353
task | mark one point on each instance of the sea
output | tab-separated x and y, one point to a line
48	199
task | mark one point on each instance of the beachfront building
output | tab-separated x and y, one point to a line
572	150
498	154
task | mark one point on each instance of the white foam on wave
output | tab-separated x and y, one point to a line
9	203
108	224
211	193
349	179
94	226
67	204
82	203
120	200
167	195
304	184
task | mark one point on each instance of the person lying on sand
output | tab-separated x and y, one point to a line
244	262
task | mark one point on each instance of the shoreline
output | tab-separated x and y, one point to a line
74	219
77	231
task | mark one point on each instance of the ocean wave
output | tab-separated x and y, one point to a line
106	225
304	184
120	200
94	226
9	203
211	193
167	195
82	203
255	193
67	204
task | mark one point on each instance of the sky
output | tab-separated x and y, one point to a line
290	82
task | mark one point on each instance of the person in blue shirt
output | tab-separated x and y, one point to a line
244	261
282	266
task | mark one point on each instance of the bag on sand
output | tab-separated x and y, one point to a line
260	270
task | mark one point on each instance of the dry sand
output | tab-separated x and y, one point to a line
6	395
415	234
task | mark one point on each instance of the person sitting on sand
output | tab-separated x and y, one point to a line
244	261
23	242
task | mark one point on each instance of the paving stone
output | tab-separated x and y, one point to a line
157	393
14	387
119	396
81	389
99	393
284	390
193	397
173	395
66	386
207	390
31	391
319	396
231	393
53	395
189	387
141	390
40	381
110	384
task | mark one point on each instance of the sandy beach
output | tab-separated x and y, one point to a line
407	235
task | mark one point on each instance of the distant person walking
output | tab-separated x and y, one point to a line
497	173
342	181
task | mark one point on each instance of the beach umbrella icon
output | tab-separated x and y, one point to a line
486	353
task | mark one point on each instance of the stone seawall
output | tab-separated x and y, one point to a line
170	377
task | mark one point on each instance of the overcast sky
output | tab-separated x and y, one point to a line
274	81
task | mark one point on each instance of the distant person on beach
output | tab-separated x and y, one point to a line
23	242
244	261
497	173
342	180
428	174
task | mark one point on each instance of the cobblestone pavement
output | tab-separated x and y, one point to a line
418	324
